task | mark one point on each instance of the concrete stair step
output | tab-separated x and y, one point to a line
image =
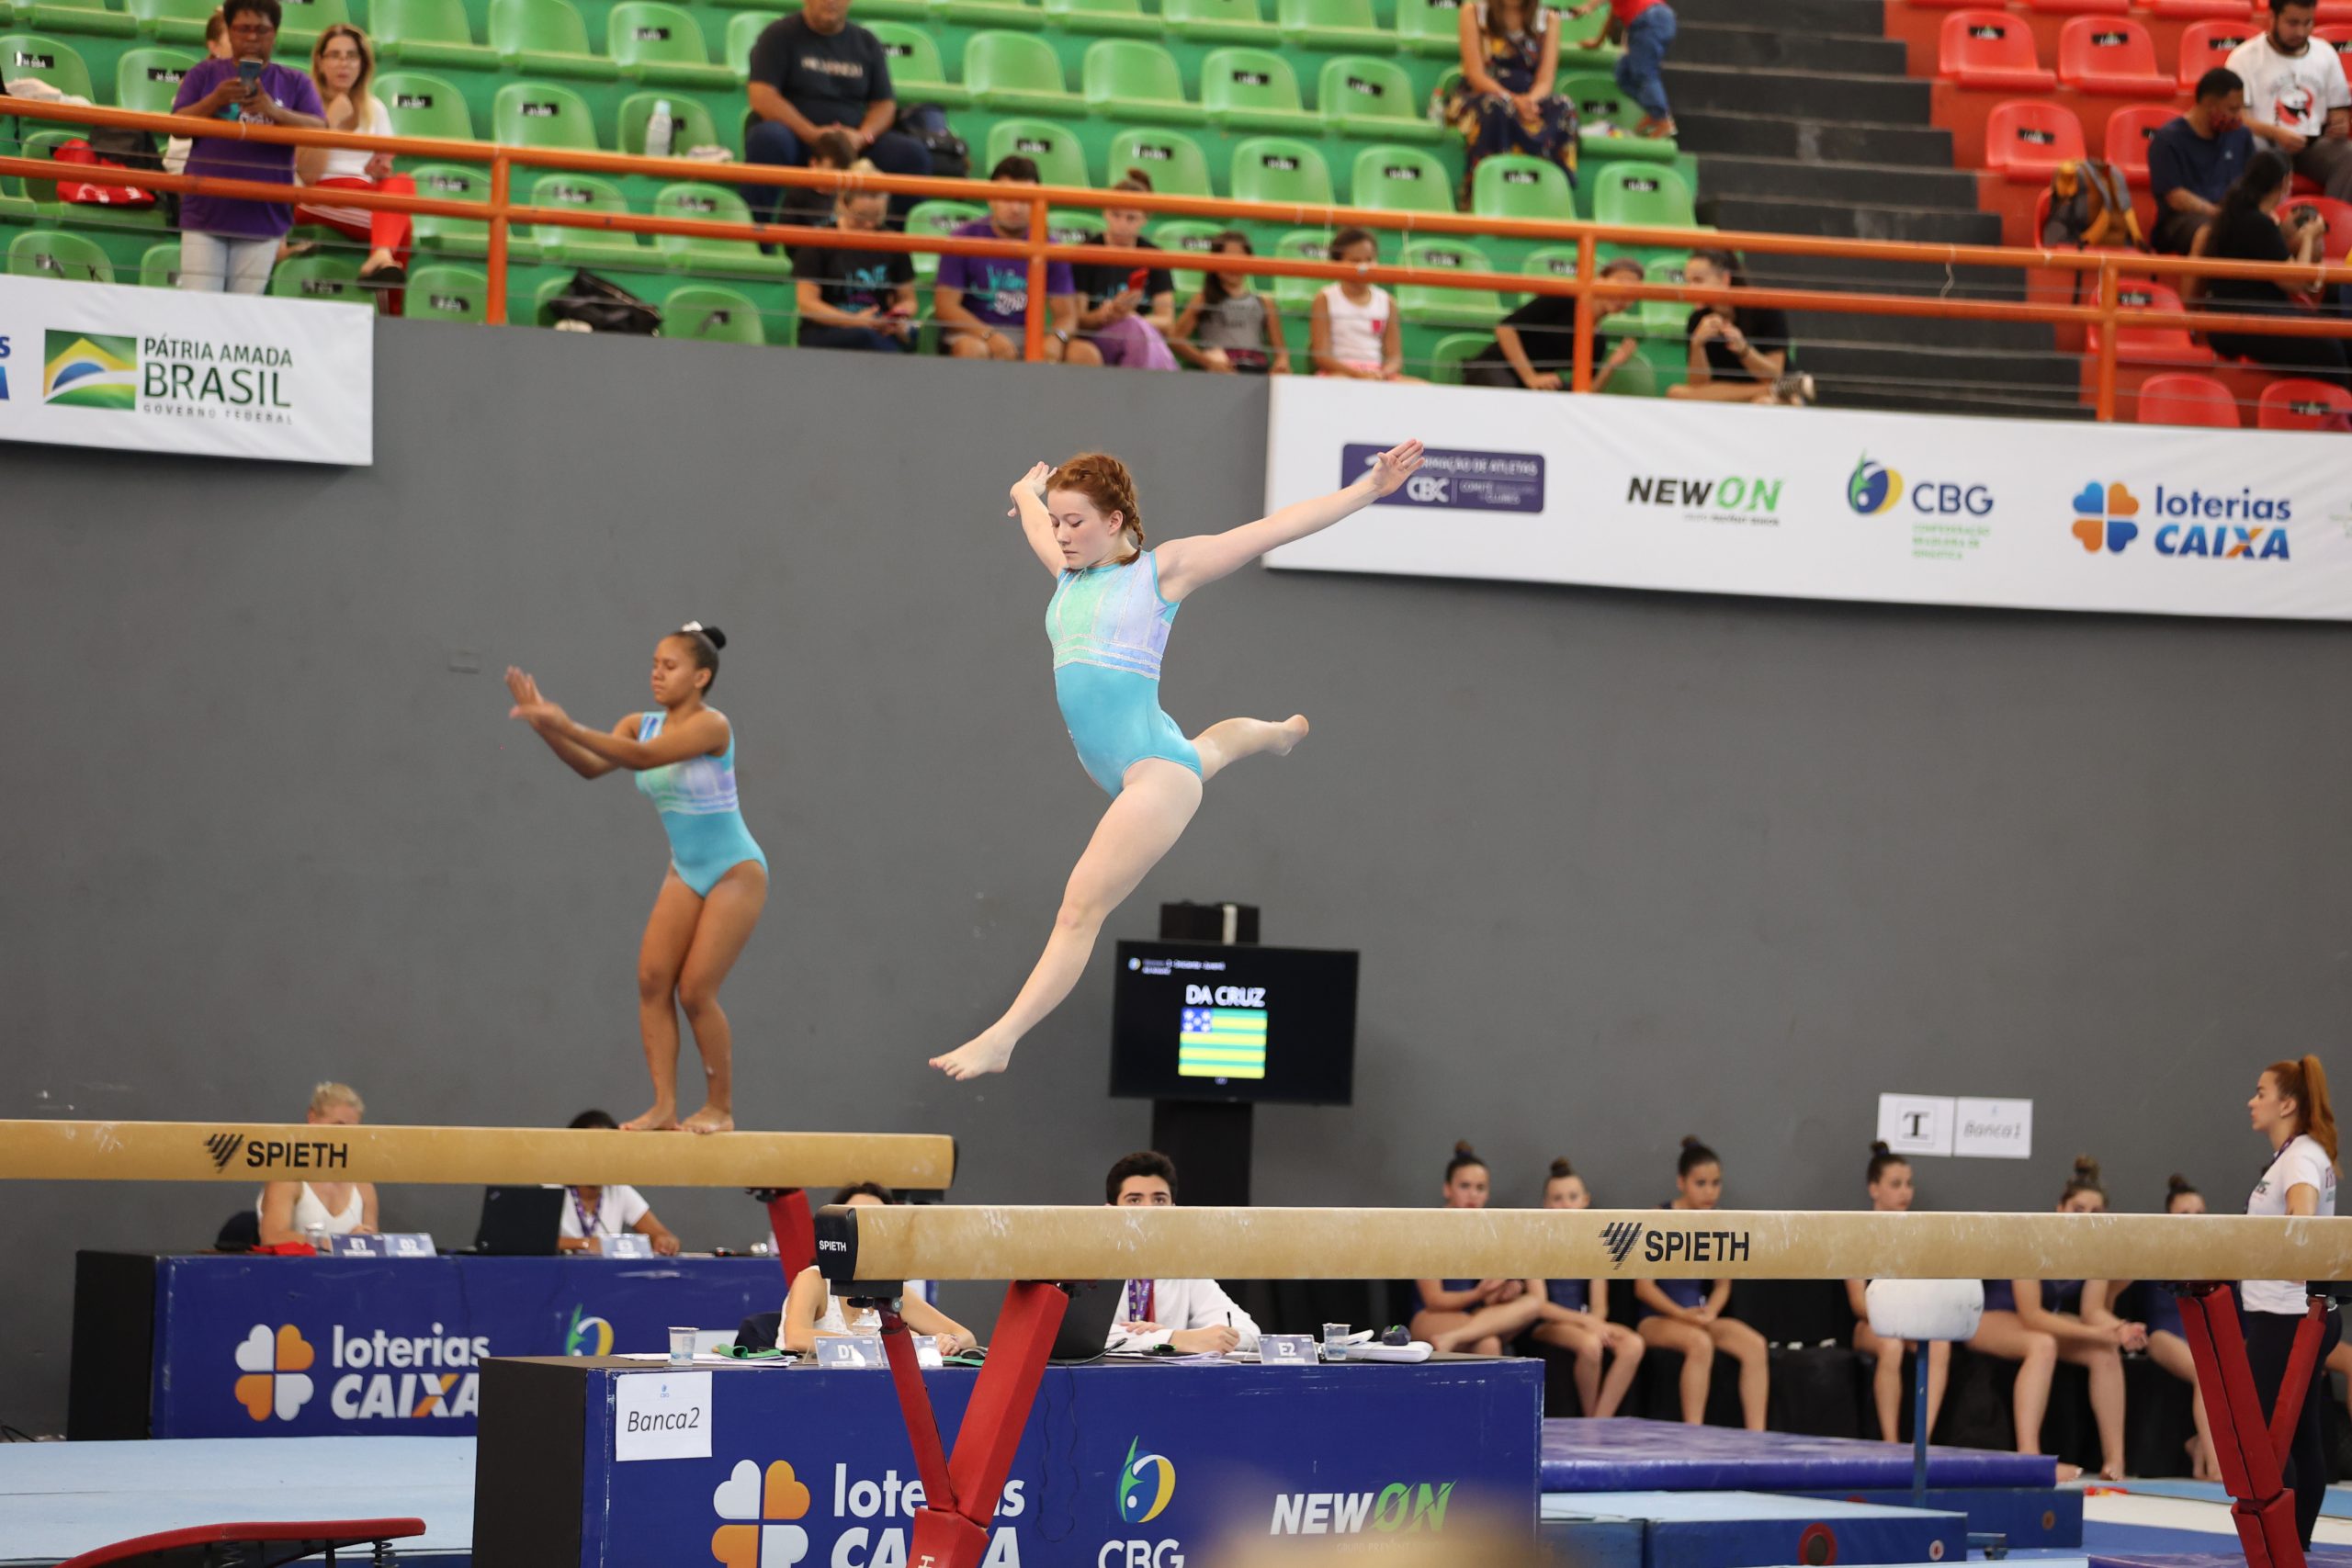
1841	219
1877	185
1856	55
1745	89
1805	136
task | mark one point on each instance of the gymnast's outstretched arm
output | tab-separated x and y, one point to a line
1186	564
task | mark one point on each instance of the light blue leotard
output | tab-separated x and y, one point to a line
696	799
1110	625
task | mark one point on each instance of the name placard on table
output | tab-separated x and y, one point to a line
392	1243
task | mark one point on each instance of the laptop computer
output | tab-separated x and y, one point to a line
1093	1305
519	1222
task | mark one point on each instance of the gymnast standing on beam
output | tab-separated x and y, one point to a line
2290	1108
1889	1185
1114	603
1687	1317
684	756
1576	1314
1481	1317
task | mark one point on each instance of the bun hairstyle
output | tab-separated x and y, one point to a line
2306	1083
2177	1186
1104	481
2084	1179
1560	1168
1880	1157
1694	1155
1463	1156
1134	180
704	642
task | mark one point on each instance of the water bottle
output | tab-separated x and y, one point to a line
659	130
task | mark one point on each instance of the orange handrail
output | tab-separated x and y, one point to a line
1036	247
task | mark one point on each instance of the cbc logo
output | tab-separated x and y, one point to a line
1139	1554
1436	489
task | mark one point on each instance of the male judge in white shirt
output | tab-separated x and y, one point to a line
1195	1316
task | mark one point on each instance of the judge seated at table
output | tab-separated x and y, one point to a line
1195	1316
811	1311
591	1214
303	1211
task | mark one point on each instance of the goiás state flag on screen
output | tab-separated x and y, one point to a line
1221	1043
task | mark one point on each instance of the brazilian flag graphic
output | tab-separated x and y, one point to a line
91	370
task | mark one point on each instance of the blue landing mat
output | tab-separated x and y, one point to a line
1624	1455
2226	1556
2337	1506
1748	1530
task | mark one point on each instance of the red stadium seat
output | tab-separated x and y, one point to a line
2190	10
2296	404
1944	4
2080	8
1992	50
2150	346
2339	34
2127	131
2110	55
2027	138
2204	45
2187	399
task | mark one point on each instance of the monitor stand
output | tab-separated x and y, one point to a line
1209	1140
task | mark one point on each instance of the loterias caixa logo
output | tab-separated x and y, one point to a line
1659	1245
276	1368
271	1156
2214	525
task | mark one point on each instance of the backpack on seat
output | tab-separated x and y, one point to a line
2090	205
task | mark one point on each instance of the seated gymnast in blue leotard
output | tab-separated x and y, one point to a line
2038	1323
2167	1344
1478	1317
1112	603
1576	1314
1686	1315
684	756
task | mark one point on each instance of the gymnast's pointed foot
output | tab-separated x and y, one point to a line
1293	731
709	1119
660	1119
988	1054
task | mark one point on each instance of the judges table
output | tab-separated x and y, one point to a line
216	1345
602	1462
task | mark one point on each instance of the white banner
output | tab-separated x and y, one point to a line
159	370
1824	503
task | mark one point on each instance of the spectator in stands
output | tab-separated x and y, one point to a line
1575	1315
811	1311
1193	1315
1739	354
2193	161
1889	1184
2296	96
851	298
1352	329
1687	1316
216	47
1229	327
1535	345
1504	102
833	149
816	70
982	301
306	1210
1127	313
2168	1344
345	69
2038	1323
227	243
1480	1316
592	1214
1646	27
2248	226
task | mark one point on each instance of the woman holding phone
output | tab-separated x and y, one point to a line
227	243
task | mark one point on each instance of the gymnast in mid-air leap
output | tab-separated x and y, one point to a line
1113	602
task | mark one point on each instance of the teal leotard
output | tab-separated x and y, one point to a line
696	799
1110	627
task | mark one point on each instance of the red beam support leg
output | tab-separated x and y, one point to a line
2251	1450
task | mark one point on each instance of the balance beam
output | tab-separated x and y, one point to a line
473	1157
874	1244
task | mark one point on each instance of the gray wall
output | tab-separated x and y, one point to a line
1622	867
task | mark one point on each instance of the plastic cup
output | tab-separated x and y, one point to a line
682	1346
1335	1341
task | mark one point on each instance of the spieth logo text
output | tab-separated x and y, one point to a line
277	1153
1146	1484
1621	1236
2212	524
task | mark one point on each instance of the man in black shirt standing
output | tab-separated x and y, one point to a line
813	72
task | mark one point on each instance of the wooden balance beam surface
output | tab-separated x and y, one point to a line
1104	1243
473	1157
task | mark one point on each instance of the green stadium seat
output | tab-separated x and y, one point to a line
988	13
1400	180
1648	193
1427	305
1364	97
320	278
444	293
1059	158
1278	168
568	246
1512	184
1073	226
426	106
174	21
867	10
664	45
1118	18
305	20
1447	354
743	30
90	16
1657	317
427	32
147	80
47	210
716	204
917	74
1329	24
15	208
707	314
1127	79
45	60
159	266
49	252
1551	261
1016	72
1573	31
934	219
461	236
551	38
1180	235
1254	89
1431	27
540	114
1174	161
690	123
1218	21
1296	296
1638	377
1600	103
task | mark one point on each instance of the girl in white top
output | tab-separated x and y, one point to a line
2290	1108
811	1311
1352	329
290	1210
344	66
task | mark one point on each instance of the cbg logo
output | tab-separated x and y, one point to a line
587	1336
766	1505
276	1368
1142	1500
1873	488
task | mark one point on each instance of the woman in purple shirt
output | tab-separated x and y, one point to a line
227	243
